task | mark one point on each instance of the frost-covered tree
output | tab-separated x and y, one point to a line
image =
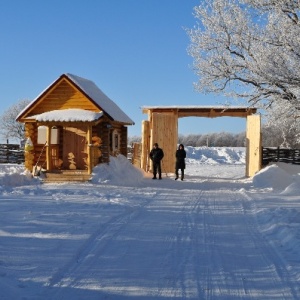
249	49
241	139
281	126
134	139
9	127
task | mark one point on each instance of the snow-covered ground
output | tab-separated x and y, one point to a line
215	235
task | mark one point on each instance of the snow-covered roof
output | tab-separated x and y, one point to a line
91	91
68	115
96	95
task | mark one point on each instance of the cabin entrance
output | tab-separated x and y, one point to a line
74	148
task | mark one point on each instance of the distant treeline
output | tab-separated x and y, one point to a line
220	139
271	137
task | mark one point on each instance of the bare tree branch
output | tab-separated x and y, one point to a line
9	127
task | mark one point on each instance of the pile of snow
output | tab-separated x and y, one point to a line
272	176
15	175
279	176
216	155
119	171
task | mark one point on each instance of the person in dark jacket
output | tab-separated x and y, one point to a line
180	161
156	155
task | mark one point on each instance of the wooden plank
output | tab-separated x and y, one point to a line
48	150
253	149
145	145
165	133
198	111
89	158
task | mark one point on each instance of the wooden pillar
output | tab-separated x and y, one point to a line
48	149
253	145
89	150
145	145
29	155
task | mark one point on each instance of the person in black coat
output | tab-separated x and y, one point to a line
180	161
156	155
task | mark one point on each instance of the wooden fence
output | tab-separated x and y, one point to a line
280	155
11	153
134	154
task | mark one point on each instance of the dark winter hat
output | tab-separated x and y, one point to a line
181	145
155	145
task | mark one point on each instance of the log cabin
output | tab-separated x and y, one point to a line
73	126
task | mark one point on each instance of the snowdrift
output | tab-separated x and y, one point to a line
120	171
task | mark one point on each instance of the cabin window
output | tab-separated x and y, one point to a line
42	135
115	139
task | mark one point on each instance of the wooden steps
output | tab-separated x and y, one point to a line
67	176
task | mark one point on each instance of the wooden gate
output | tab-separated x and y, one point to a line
162	128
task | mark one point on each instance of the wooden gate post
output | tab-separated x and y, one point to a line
145	145
165	133
253	145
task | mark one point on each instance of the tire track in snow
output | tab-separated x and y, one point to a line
253	271
94	245
181	277
200	253
271	256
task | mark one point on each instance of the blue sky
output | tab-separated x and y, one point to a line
134	50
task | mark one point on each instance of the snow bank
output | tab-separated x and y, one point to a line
216	155
279	176
15	175
119	171
272	177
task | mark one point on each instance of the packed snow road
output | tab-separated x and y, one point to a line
156	240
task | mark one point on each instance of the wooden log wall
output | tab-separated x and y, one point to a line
96	141
105	143
30	156
123	146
